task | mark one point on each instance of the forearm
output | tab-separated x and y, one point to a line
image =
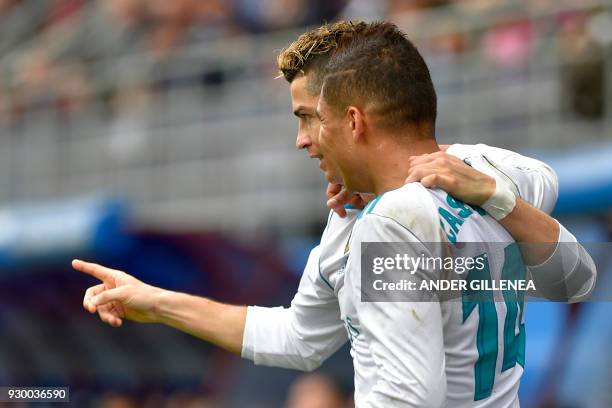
535	187
214	322
528	225
563	271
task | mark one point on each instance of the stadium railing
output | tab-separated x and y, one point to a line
211	143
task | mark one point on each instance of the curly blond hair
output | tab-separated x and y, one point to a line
313	48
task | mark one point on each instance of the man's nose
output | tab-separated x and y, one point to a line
302	141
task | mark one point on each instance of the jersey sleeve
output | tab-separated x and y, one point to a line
569	274
301	336
532	180
404	338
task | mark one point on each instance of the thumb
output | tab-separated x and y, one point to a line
430	181
412	177
110	295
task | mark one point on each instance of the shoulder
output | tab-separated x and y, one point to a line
462	151
411	207
338	228
466	151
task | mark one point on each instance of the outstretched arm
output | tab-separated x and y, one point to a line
120	296
299	337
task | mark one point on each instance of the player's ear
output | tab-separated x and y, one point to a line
356	122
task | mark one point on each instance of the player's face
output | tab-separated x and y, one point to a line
336	147
304	106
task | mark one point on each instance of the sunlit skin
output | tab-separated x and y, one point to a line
367	157
304	106
339	143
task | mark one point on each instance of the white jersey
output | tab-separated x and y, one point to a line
324	314
406	342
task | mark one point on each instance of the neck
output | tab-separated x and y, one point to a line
389	166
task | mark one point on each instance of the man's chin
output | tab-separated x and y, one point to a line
333	179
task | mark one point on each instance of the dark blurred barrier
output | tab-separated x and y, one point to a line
46	338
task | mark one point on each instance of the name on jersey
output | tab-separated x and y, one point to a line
452	220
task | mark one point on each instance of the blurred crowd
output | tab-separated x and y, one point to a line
66	54
61	52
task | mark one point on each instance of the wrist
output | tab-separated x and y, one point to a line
162	305
501	203
488	186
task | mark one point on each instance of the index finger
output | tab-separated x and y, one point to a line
420	159
97	271
431	157
333	189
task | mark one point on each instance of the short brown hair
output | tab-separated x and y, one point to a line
311	51
383	69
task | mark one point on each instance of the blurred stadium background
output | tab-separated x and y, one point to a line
152	136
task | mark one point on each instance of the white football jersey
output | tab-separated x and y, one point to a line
483	348
483	342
